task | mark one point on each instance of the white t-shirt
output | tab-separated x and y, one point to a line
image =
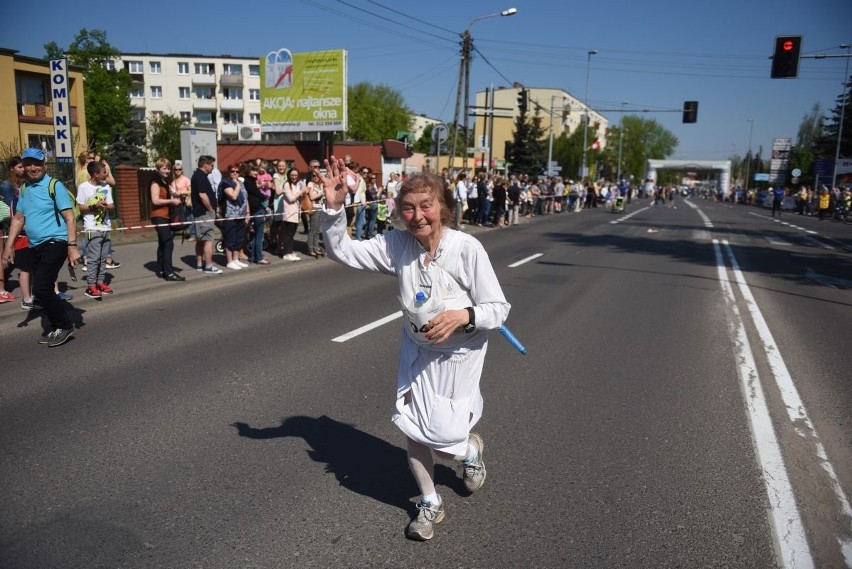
87	194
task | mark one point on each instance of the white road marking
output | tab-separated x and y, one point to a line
701	214
796	411
368	327
786	522
527	260
818	243
775	240
629	215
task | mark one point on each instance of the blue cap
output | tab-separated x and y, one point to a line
33	154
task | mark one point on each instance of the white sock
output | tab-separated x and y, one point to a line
432	498
471	452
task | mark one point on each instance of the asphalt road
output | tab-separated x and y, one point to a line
217	424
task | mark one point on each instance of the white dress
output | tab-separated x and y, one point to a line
443	379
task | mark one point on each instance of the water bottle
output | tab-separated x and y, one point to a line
419	312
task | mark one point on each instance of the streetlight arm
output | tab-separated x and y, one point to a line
507	12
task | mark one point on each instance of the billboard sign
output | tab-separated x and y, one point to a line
303	91
60	98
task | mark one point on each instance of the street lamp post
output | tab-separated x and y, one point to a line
846	46
620	140
583	168
464	78
748	156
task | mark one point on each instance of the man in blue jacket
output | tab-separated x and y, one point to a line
777	199
52	232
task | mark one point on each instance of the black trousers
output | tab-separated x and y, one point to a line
47	259
165	246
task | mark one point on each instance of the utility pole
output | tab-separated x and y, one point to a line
464	73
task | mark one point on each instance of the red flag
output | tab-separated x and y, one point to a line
596	145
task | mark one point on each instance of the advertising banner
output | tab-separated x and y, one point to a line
303	91
60	98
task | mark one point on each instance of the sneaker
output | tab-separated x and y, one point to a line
65	296
93	292
422	528
292	257
240	263
85	268
45	338
30	304
104	288
59	337
234	265
213	270
6	296
199	268
474	471
112	264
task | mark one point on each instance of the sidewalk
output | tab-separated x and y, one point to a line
137	253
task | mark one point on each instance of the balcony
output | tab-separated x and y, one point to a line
203	79
231	80
231	105
230	128
38	113
137	78
204	104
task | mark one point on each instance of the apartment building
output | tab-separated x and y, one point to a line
221	91
26	113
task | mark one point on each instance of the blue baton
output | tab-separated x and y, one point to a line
512	340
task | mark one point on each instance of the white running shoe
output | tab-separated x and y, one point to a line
234	265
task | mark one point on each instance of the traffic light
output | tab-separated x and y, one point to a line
508	150
522	101
785	60
690	111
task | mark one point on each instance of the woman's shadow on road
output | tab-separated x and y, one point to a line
361	462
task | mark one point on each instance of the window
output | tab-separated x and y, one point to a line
137	92
135	67
109	65
254	94
232	69
204	69
183	68
185	116
156	67
254	70
233	118
156	92
231	94
183	93
137	115
204	92
31	90
254	118
156	115
205	117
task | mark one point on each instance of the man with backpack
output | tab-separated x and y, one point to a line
46	209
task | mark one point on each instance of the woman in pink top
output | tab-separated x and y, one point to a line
290	193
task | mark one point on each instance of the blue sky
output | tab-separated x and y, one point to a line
653	54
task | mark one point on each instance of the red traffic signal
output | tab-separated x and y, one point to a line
785	60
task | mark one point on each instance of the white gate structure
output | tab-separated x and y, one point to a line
722	166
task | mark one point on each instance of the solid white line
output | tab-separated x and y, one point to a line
368	327
796	411
786	523
527	260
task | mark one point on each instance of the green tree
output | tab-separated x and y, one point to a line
106	92
164	137
376	113
811	131
529	155
643	139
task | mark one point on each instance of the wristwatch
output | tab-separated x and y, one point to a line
471	325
